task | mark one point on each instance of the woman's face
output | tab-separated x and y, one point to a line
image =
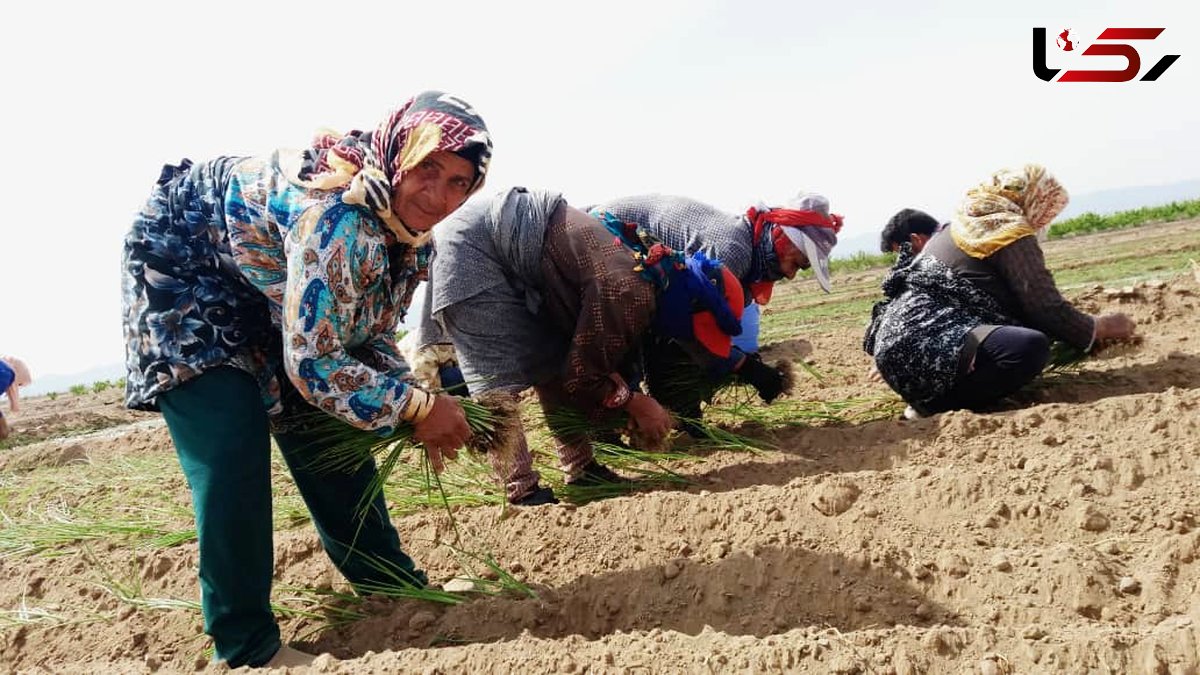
791	259
431	190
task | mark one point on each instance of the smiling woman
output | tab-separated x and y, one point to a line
437	186
259	290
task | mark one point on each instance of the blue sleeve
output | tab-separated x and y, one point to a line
6	377
332	261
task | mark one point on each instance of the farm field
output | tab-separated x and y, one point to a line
1059	534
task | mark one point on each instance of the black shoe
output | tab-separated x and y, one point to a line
595	474
539	496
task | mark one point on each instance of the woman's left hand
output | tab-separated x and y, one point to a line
651	421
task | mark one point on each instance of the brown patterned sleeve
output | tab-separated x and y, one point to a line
1023	267
616	309
598	298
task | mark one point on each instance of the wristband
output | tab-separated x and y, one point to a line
418	406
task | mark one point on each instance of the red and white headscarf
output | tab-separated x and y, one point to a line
368	166
806	222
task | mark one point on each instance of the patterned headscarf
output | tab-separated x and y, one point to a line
368	166
805	213
1011	205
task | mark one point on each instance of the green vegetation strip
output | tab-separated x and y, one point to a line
1091	222
782	325
141	501
1164	265
792	311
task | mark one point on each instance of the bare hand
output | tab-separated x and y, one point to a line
651	420
873	373
1115	326
443	432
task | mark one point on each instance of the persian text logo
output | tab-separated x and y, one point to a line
1105	45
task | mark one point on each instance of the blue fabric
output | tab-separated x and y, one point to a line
696	288
640	242
453	380
206	273
6	377
689	284
719	367
747	341
688	225
186	309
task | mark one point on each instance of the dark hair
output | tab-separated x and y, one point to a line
906	222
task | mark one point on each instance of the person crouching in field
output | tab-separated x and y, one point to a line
761	247
14	374
260	292
969	320
534	293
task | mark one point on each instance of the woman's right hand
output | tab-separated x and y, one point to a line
652	421
443	431
1114	326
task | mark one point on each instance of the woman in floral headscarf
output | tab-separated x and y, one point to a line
969	320
260	289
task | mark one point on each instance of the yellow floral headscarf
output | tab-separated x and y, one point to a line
1011	205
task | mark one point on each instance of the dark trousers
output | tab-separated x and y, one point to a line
1007	359
679	381
222	436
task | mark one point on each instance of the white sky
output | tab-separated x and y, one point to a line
877	105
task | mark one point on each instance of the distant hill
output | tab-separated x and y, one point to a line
1124	199
866	242
44	384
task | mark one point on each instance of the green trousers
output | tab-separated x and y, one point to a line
222	435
